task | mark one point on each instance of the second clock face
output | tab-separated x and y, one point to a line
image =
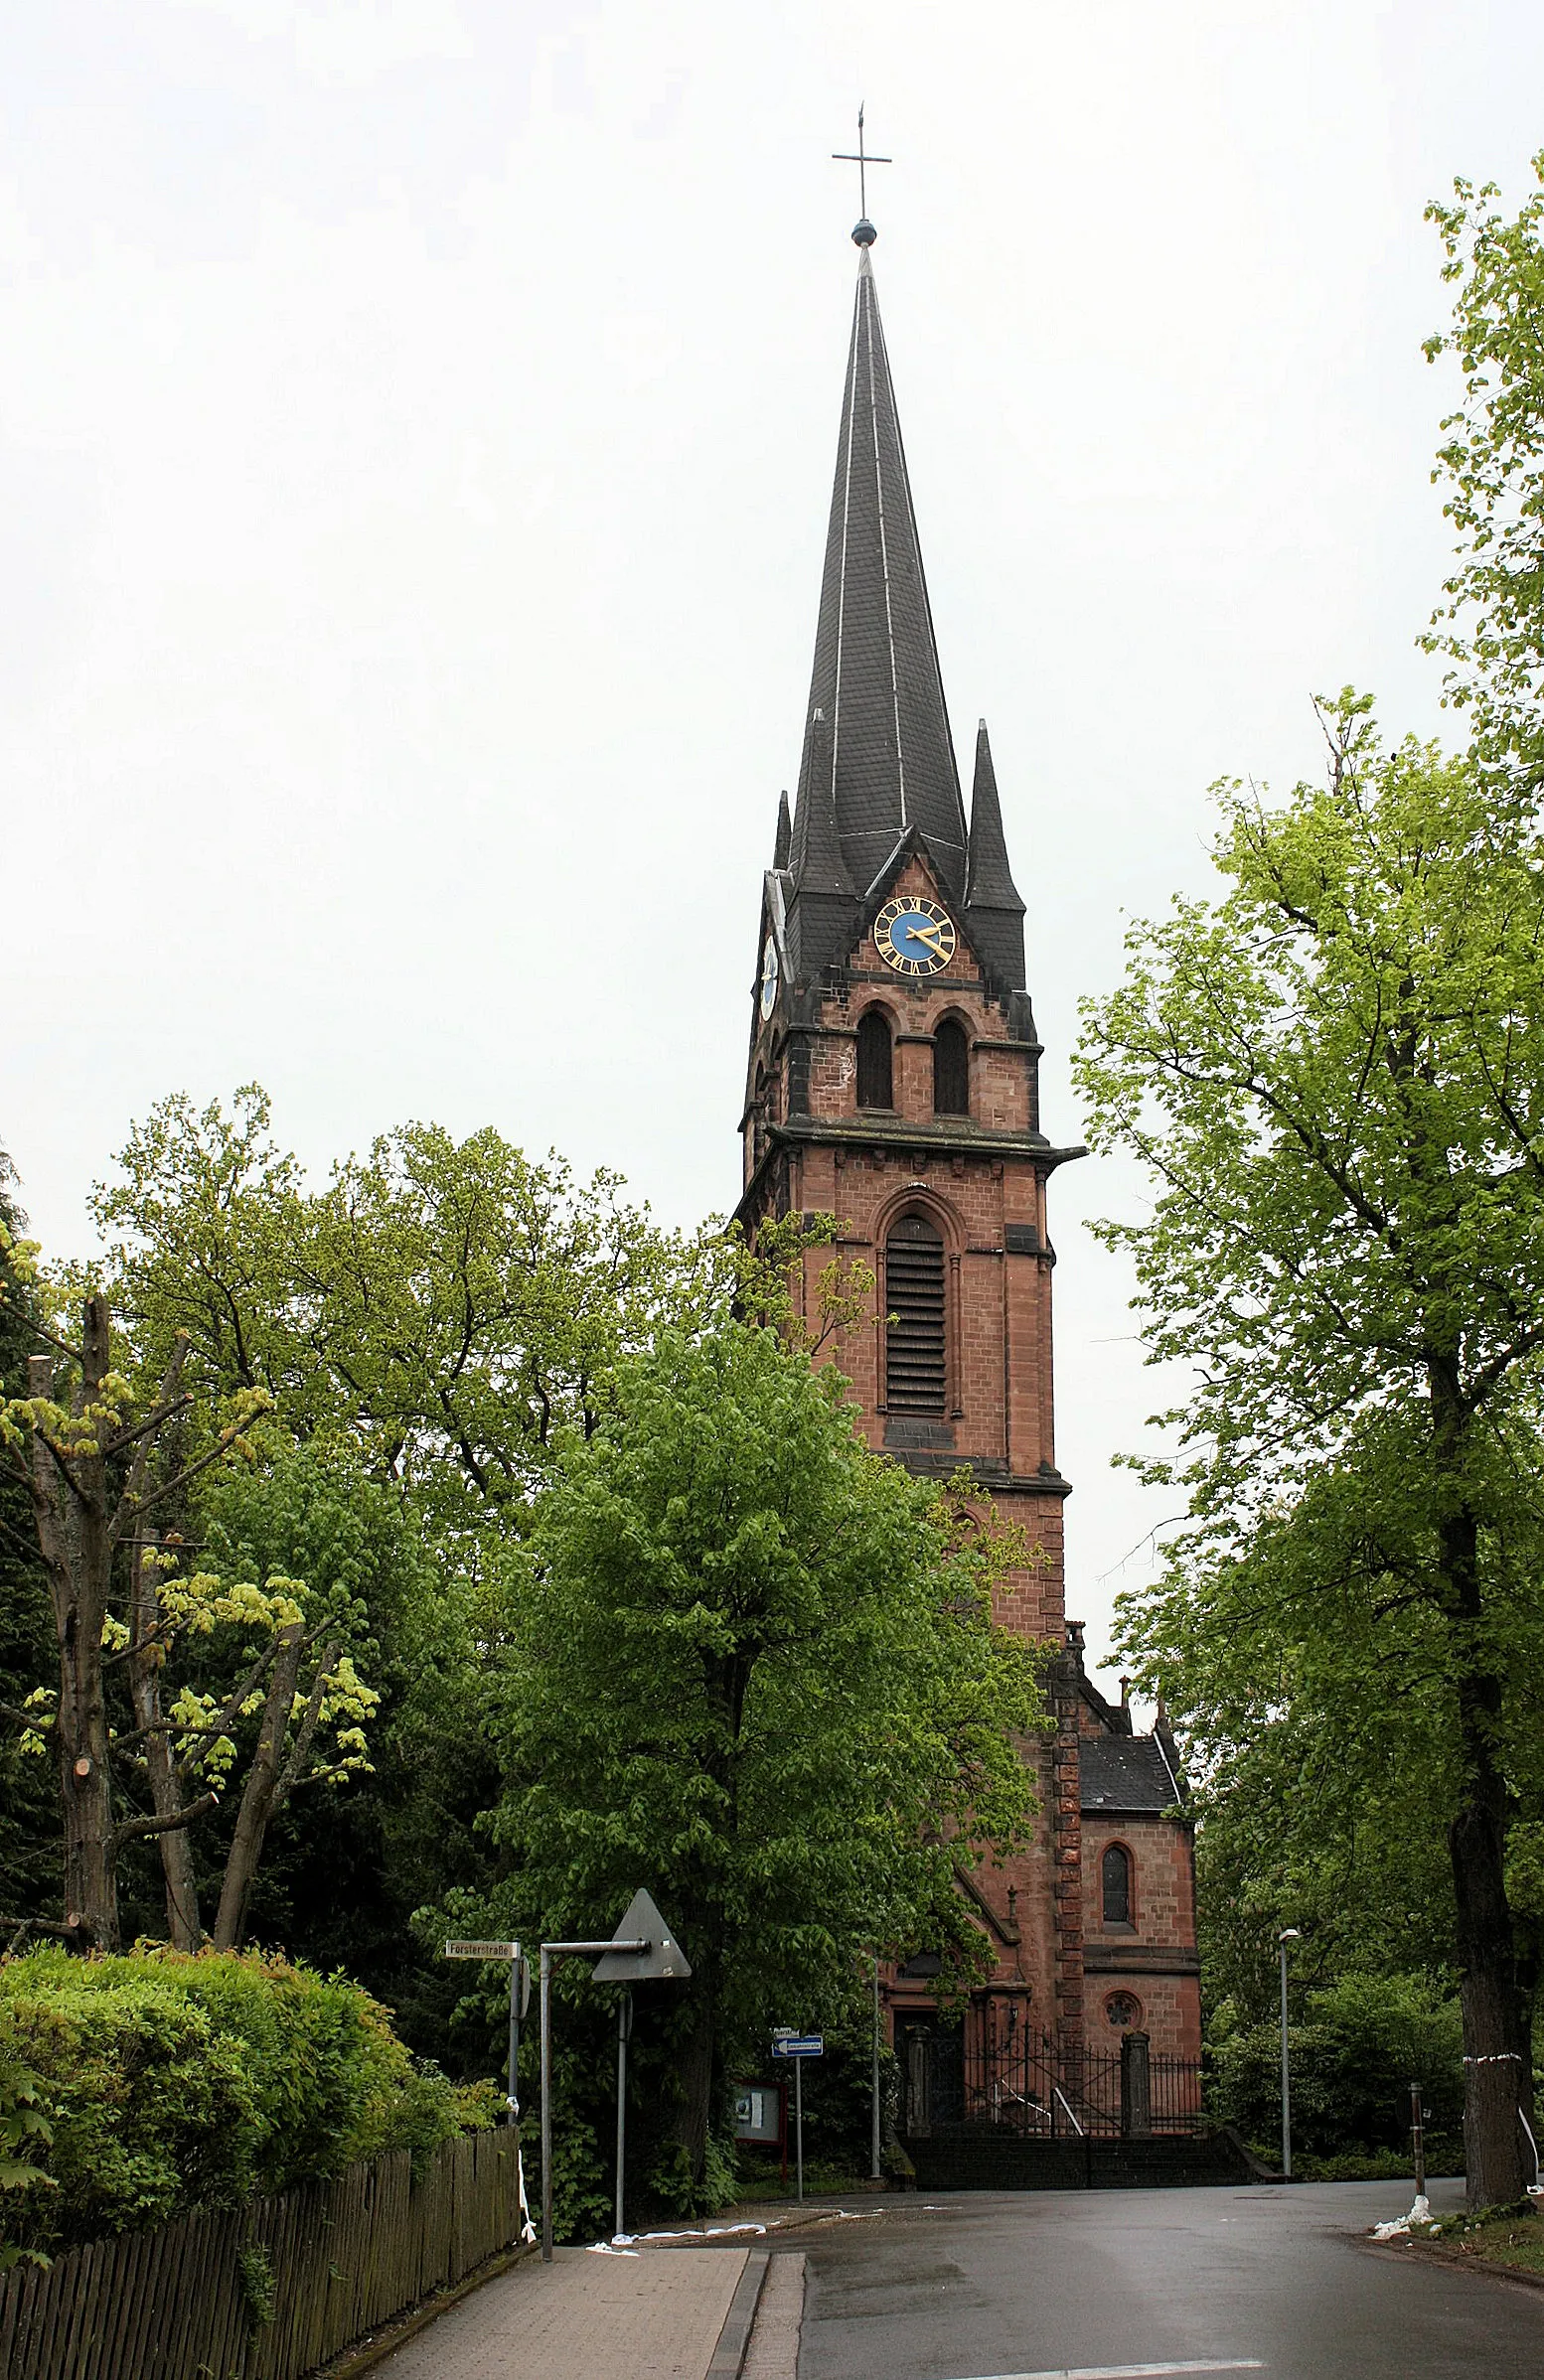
769	978
913	935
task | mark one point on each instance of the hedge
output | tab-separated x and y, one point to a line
172	2081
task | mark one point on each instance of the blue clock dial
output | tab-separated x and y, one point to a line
914	936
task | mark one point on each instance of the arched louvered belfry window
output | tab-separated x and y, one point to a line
1114	1877
874	1077
951	1070
915	1367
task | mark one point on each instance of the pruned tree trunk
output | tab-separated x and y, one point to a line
76	1536
267	1786
84	1512
183	1924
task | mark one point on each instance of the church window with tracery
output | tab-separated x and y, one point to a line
874	1061
1123	2011
915	1365
951	1070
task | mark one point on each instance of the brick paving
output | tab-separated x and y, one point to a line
655	2317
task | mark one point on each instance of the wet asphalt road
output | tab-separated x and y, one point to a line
975	2284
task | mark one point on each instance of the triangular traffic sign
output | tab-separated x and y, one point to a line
663	1956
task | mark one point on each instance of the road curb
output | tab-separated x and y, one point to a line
733	2339
1435	2253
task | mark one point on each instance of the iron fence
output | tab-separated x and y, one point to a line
1017	2079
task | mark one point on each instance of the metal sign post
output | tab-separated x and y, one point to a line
624	2036
642	1950
799	2129
520	2001
798	2046
1418	2139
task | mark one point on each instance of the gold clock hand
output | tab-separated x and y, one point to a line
927	934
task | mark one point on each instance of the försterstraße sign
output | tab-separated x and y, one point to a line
482	1950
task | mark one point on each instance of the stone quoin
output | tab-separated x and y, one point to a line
893	1082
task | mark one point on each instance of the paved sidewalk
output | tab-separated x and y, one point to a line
581	2317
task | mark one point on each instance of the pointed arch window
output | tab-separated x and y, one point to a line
915	1363
951	1070
1115	1877
875	1065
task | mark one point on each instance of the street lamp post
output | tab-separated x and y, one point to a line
875	2108
1289	1935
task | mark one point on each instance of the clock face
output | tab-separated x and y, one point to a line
769	978
913	935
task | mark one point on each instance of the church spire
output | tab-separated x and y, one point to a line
993	912
877	688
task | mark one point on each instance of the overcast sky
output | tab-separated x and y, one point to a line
416	427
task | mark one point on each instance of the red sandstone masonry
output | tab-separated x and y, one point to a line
1000	1403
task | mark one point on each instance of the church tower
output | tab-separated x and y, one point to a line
893	1082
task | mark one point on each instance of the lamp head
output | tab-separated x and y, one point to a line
1291	1934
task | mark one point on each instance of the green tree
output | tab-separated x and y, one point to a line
448	1305
1335	1075
1326	1783
1362	2042
752	1667
130	1719
339	1882
1491	464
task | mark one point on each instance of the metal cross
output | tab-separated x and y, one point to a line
862	160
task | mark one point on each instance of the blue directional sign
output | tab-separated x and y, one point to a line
799	2045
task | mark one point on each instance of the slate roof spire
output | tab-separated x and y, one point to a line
824	911
878	729
993	912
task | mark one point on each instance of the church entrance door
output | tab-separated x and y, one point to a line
932	2059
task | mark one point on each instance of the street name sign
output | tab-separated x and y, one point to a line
482	1950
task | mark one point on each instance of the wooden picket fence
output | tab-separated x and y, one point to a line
176	2304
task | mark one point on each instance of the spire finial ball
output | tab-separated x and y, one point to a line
864	232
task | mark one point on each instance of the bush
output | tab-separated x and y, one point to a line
173	2081
1366	2039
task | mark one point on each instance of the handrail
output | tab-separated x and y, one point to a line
1071	2118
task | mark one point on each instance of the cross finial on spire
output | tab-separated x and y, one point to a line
862	232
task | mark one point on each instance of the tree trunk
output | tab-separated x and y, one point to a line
75	1535
183	1925
1495	2057
90	1873
1496	2068
1525	1934
261	1791
695	2081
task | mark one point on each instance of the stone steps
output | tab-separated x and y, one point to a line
967	2159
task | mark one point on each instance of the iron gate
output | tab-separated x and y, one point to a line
1017	2079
